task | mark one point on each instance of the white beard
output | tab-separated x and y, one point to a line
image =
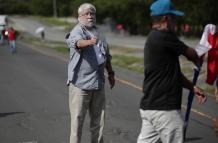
87	23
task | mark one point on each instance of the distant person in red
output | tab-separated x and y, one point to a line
12	39
120	28
186	29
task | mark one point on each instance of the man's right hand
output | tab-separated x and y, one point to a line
93	41
201	96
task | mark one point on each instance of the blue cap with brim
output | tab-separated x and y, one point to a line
163	7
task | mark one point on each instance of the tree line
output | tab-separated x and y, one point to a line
133	14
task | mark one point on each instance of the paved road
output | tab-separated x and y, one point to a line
29	25
33	98
34	102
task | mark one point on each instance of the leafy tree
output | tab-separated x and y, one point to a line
133	14
14	7
41	7
198	13
75	4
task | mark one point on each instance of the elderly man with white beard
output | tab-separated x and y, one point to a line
89	56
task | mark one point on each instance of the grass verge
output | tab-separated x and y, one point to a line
128	58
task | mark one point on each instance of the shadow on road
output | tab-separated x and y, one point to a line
203	124
2	115
192	139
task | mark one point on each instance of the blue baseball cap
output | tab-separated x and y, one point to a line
162	7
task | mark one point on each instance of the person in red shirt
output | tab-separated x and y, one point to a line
12	39
212	61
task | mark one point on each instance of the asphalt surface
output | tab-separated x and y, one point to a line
34	102
33	98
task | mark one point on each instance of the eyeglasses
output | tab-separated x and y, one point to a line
88	13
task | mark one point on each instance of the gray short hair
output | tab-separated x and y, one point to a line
86	6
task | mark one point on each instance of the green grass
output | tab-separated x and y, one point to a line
126	50
63	50
53	21
123	57
128	62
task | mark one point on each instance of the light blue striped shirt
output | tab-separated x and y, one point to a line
84	70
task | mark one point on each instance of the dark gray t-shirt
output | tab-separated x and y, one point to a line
162	85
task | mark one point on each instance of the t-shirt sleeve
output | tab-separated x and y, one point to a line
175	45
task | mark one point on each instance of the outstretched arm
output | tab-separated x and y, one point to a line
84	43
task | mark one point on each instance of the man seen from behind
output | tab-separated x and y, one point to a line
160	107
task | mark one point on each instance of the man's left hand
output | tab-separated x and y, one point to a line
111	80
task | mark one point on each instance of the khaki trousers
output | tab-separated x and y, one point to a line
161	126
81	101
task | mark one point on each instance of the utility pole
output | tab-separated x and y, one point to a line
54	8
